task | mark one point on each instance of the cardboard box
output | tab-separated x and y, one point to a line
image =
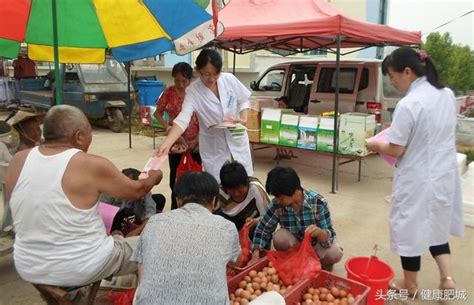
270	126
258	104
254	135
354	129
325	141
307	129
289	130
253	119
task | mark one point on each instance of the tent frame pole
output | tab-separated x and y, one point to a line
130	105
335	165
58	83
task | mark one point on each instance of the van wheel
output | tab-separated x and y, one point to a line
116	120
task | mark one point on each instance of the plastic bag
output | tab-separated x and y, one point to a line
124	297
187	164
300	262
245	245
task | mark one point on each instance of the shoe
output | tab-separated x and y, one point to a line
397	286
447	283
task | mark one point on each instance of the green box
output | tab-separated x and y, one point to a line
308	129
325	141
289	130
270	126
354	129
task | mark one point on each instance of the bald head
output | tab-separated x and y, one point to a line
62	122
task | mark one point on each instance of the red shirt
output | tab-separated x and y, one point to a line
171	103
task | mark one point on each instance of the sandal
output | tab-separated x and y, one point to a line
398	287
447	283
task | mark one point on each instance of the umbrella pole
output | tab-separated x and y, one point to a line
335	166
57	75
130	106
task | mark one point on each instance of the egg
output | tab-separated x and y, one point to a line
248	286
250	289
308	301
244	302
323	290
289	287
335	291
247	278
315	297
275	279
307	296
256	285
342	293
246	295
257	279
350	300
271	271
270	264
253	273
263	285
311	290
260	274
263	280
322	296
330	297
253	297
258	292
242	284
238	292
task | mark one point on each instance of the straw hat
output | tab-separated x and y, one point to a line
22	116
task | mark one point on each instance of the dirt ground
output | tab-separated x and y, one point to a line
359	211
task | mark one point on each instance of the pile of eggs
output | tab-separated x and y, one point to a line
257	282
328	296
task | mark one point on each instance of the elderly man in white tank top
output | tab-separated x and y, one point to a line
53	190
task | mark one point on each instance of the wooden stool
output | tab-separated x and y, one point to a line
54	295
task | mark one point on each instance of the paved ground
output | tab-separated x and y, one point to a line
359	212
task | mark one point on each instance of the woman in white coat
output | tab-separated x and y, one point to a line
426	202
216	98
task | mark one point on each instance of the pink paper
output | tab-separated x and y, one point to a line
107	212
154	163
381	137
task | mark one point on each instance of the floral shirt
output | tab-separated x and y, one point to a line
171	102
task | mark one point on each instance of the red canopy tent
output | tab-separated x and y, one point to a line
302	25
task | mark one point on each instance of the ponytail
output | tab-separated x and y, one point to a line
419	62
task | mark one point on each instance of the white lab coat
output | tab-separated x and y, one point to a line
216	145
426	196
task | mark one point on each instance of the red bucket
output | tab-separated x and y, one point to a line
372	272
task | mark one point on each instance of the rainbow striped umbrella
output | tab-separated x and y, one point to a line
131	29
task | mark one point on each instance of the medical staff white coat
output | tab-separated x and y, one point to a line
217	145
426	196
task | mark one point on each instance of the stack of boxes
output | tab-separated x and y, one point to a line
254	118
281	127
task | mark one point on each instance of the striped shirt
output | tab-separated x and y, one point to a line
314	211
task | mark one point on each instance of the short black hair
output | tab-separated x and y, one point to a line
207	56
233	174
282	181
133	173
184	69
284	99
197	187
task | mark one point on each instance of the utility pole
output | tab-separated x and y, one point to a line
383	4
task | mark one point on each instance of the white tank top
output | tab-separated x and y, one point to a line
56	243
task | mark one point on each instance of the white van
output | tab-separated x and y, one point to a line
310	87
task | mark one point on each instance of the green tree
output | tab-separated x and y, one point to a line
460	71
440	49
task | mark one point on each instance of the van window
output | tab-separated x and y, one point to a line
388	89
327	80
364	79
272	81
